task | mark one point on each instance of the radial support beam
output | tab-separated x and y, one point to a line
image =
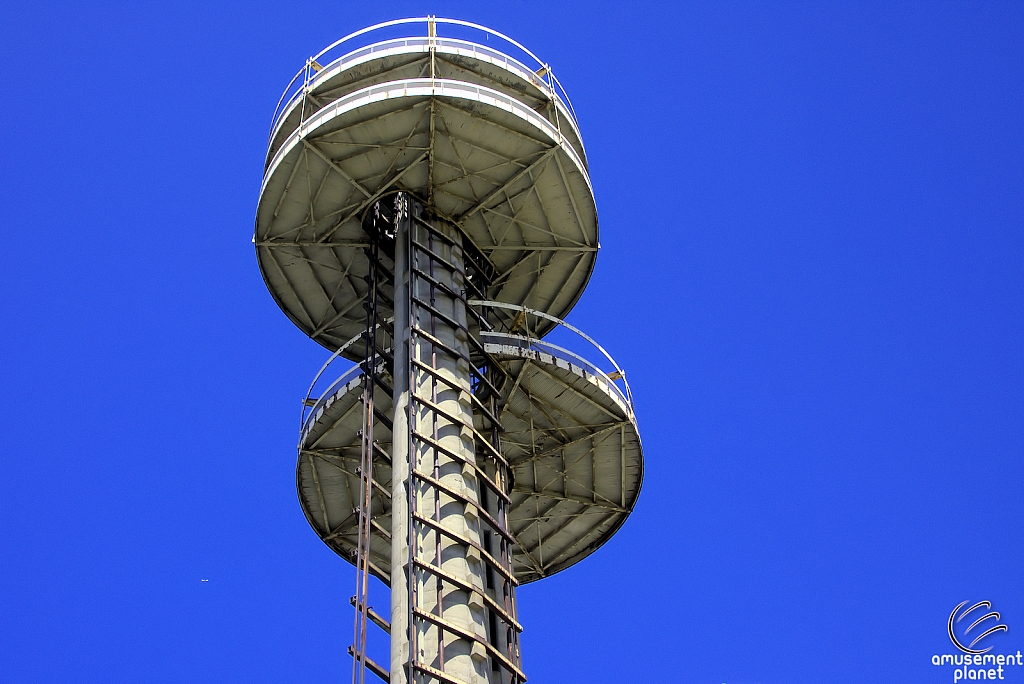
337	169
507	184
385	187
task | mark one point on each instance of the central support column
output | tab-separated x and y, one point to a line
439	621
400	494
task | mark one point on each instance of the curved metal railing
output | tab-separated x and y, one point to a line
521	322
311	407
518	334
425	86
306	76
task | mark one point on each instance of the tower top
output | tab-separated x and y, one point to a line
488	142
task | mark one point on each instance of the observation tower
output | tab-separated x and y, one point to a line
426	215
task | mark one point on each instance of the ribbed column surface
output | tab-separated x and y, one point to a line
441	415
446	574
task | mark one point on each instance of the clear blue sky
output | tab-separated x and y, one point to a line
811	220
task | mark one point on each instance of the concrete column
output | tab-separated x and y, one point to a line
433	400
400	454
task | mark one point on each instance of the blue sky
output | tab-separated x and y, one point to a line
811	269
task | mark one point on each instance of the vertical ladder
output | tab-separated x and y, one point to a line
453	589
376	365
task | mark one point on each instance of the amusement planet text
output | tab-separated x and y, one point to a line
990	666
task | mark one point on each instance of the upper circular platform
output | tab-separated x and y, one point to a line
487	143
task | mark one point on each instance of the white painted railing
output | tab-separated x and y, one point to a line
351	49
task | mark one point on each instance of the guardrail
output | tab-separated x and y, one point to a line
425	86
615	376
517	333
310	407
306	76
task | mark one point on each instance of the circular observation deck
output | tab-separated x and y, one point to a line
485	142
570	438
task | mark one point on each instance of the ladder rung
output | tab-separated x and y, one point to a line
374	616
372	666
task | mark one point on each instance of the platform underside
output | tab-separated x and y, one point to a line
497	170
572	442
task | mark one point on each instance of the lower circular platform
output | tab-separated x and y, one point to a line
570	437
